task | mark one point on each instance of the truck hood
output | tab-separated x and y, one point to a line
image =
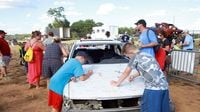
98	86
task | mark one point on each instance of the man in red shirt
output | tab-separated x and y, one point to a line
5	54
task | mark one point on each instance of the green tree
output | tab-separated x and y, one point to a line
56	12
21	36
130	31
59	18
50	25
99	24
74	35
82	27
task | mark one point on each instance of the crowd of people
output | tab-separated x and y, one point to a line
48	62
48	54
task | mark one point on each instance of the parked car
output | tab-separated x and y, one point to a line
97	94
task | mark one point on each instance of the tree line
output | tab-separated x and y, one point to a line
77	29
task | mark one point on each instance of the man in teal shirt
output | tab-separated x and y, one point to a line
72	68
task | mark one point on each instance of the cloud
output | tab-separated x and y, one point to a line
194	25
44	18
123	8
11	29
42	23
70	9
73	13
105	9
183	1
28	15
2	24
194	10
64	2
5	4
38	26
58	3
15	29
158	13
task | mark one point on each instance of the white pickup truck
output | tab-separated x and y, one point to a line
96	94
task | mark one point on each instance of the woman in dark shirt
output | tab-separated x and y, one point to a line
165	44
52	60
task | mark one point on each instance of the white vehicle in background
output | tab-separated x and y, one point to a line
99	32
96	94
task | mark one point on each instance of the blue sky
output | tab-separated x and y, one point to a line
24	16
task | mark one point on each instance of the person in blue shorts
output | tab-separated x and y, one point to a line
156	95
71	69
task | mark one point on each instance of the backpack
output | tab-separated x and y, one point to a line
28	57
160	54
157	47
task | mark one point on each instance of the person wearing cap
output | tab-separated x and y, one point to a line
72	69
54	53
188	43
147	38
5	54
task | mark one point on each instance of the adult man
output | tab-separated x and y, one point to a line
188	42
72	69
147	38
5	54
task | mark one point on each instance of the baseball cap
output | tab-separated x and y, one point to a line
2	32
141	21
82	53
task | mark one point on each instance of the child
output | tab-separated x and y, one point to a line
71	69
156	96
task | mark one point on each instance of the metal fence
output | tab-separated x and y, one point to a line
186	65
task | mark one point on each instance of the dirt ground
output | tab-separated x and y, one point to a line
16	97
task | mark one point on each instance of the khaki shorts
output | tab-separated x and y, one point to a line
4	61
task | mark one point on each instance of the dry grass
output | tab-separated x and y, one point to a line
15	97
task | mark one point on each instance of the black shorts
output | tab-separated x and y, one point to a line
50	66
